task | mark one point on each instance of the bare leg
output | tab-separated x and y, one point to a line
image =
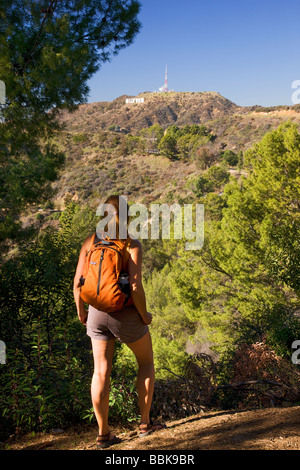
103	352
145	379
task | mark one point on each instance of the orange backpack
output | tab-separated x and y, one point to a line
105	265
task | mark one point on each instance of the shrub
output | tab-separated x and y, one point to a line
79	138
204	158
203	186
230	158
217	176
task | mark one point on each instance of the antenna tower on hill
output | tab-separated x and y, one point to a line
165	88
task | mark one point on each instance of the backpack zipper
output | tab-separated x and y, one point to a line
100	265
99	273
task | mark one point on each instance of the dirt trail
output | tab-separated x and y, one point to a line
259	429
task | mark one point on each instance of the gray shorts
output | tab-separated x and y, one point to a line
126	325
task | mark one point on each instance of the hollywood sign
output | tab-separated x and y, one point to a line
134	100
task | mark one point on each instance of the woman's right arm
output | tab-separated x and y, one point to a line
135	280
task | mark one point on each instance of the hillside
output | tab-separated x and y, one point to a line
164	109
94	135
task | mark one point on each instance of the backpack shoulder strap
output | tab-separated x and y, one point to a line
92	243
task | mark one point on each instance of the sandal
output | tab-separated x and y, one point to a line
106	440
146	429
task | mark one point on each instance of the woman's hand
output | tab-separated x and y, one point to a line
147	318
82	315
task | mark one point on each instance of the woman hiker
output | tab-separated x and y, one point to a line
130	326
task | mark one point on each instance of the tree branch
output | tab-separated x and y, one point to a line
254	382
48	11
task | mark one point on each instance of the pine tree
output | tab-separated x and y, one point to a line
48	51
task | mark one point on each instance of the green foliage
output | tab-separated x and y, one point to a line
123	401
70	42
183	142
42	383
47	375
244	283
128	145
194	129
155	257
48	53
203	186
170	326
215	178
283	329
186	145
79	138
230	157
167	146
218	176
266	205
153	133
214	205
174	131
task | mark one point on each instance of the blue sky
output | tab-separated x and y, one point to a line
246	51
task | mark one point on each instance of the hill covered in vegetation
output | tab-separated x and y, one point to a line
119	147
164	109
